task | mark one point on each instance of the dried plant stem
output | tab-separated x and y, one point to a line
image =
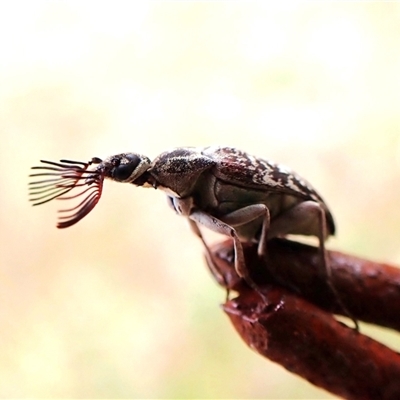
293	330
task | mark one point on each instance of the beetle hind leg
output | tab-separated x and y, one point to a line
309	218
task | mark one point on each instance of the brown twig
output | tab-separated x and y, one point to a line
370	290
287	328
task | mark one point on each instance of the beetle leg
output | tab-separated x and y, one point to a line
250	213
247	214
309	218
223	228
306	218
209	256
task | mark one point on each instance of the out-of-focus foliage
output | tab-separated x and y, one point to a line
121	305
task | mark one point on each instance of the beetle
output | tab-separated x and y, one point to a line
222	188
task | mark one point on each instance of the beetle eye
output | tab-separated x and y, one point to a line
123	171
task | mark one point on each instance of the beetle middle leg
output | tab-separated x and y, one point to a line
248	214
242	216
226	227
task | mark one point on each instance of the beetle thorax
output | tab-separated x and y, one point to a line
178	171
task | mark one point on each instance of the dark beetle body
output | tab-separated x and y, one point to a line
223	179
224	189
218	187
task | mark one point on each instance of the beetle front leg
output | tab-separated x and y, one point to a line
209	256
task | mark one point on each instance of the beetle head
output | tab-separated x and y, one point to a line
56	180
124	167
179	170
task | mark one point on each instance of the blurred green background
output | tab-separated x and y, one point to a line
122	305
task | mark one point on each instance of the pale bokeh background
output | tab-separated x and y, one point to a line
121	305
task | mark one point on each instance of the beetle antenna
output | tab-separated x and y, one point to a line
59	179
